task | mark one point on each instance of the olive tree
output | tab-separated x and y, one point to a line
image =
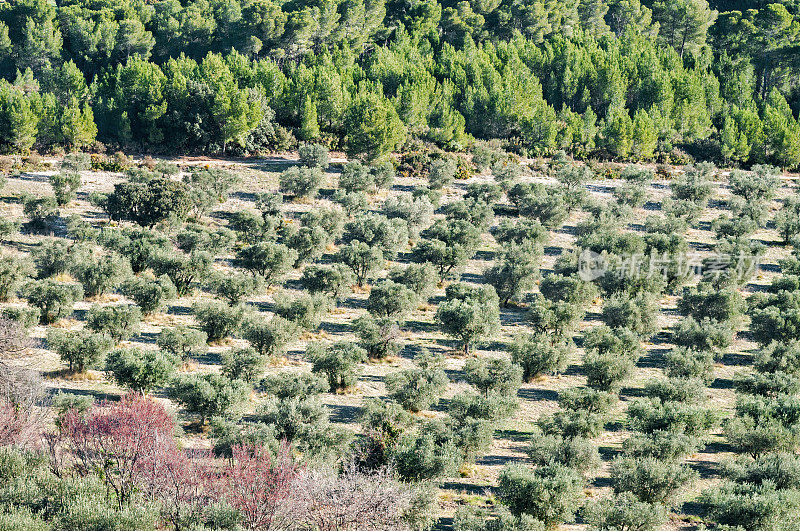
538	354
54	300
469	313
419	388
118	322
338	362
140	370
79	349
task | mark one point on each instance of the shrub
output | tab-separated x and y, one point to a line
787	220
151	295
556	319
694	185
606	371
313	155
469	313
25	316
661	445
706	335
183	342
80	349
209	394
391	300
118	322
576	453
53	299
65	184
361	258
181	269
139	245
269	338
685	390
493	374
523	231
267	259
150	203
550	493
301	182
492	407
252	228
100	274
209	186
441	173
478	213
233	286
140	370
294	385
306	311
356	177
447	244
246	364
585	399
779	357
649	479
684	362
545	204
560	288
338	361
571	423
426	454
42	212
419	388
377	336
195	237
13	272
353	203
377	231
419	278
333	280
637	314
514	273
757	507
416	212
218	320
757	186
649	415
624	512
538	354
764	424
52	257
775	317
303	422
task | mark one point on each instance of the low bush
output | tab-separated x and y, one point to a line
140	370
338	362
217	319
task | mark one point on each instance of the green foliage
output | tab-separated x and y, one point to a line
550	493
140	370
624	511
419	388
577	453
100	274
313	156
54	300
183	342
218	320
233	286
333	280
269	338
305	311
65	184
209	394
493	374
13	272
156	201
637	314
80	349
183	270
514	273
391	300
42	212
538	354
294	384
649	479
246	364
469	313
361	258
267	259
379	337
447	245
338	362
118	322
301	182
557	319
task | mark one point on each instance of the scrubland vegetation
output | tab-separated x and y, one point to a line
514	265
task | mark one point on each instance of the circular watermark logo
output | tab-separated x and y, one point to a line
591	265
